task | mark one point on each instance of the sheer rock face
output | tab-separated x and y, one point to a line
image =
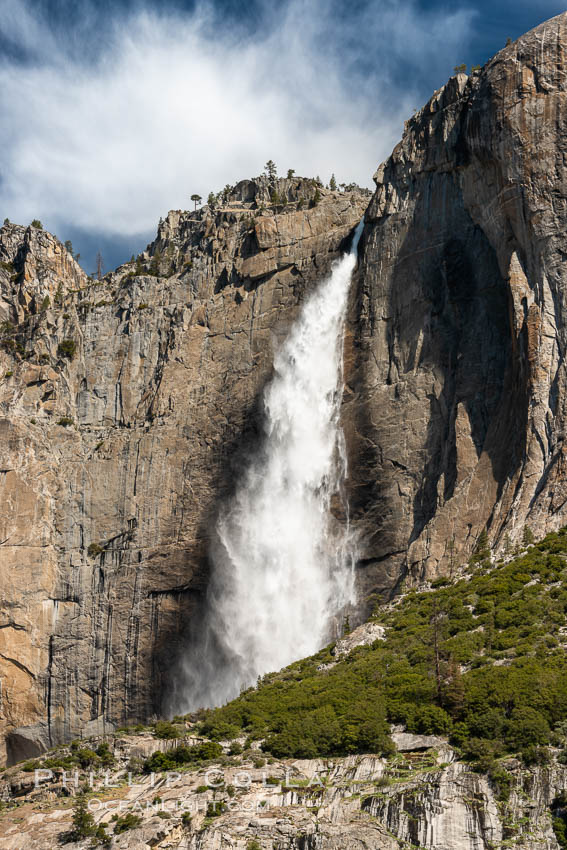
424	799
114	461
127	404
456	383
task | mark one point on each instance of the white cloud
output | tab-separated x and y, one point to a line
176	103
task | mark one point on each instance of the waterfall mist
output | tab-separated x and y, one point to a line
283	566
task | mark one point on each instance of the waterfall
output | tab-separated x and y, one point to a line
283	566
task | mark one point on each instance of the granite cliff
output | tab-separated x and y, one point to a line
456	391
423	798
125	402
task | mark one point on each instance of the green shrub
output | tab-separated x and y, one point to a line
84	825
219	730
65	421
128	821
414	677
177	757
481	753
186	819
442	581
94	550
86	757
528	536
430	720
106	757
502	781
526	727
67	348
165	729
215	809
37	224
559	819
534	755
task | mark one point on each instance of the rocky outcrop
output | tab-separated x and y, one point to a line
420	799
123	404
456	386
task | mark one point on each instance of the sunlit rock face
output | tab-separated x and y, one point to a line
456	382
129	407
117	451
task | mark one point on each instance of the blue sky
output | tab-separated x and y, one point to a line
115	112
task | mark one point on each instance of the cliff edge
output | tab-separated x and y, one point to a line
456	384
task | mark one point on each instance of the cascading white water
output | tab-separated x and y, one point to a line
282	565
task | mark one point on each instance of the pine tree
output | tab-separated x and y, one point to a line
527	537
197	199
489	627
83	821
437	619
481	554
333	183
270	169
482	542
155	263
451	549
454	690
290	173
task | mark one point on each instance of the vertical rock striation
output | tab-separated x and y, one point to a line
126	403
456	390
123	406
